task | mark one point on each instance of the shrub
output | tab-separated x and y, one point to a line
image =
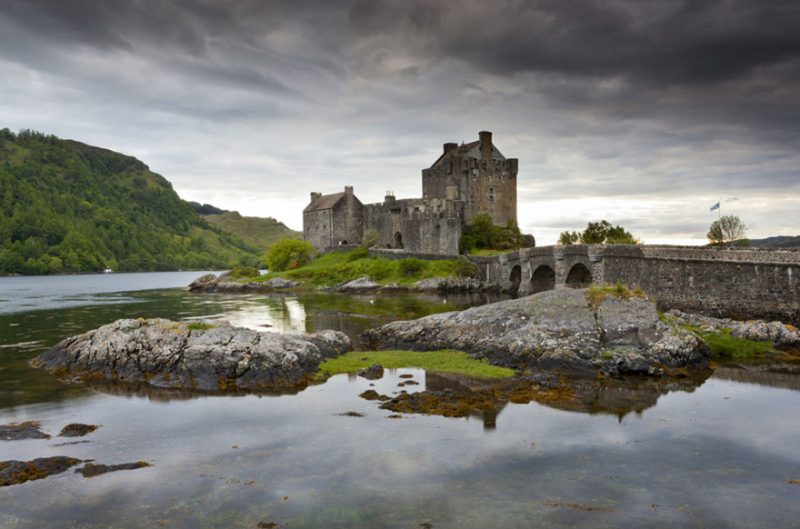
465	267
371	238
411	267
289	254
483	234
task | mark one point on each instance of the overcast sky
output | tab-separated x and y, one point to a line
641	112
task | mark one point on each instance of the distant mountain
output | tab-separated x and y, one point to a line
70	207
779	241
258	232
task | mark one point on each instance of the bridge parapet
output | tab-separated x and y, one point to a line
735	282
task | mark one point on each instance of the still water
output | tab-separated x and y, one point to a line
720	452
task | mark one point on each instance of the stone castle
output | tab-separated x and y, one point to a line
465	181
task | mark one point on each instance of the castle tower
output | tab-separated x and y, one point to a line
478	175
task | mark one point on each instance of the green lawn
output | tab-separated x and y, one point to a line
338	267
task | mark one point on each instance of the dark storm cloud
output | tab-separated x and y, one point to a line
636	99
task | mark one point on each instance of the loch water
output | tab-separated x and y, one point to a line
719	452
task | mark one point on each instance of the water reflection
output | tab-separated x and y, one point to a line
23	335
694	452
695	459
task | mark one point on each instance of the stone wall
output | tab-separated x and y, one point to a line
418	225
737	283
719	282
342	223
317	228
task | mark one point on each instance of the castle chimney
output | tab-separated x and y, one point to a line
486	144
449	147
315	196
389	198
348	190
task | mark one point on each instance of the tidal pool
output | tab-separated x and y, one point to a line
720	452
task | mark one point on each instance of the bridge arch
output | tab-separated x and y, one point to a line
543	278
515	279
578	277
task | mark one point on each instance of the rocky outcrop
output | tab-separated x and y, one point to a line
557	329
361	284
212	356
781	334
223	283
453	284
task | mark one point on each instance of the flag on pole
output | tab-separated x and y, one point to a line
715	206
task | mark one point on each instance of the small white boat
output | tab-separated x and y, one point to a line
107	271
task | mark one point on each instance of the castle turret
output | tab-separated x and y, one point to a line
486	144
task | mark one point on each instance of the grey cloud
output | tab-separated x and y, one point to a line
643	100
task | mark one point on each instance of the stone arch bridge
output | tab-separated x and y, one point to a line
731	282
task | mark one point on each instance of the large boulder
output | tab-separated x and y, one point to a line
557	329
208	356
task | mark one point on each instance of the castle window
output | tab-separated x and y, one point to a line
449	167
491	194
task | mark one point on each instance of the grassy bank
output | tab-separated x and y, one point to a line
446	361
724	345
338	267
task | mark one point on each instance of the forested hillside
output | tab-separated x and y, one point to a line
69	207
259	232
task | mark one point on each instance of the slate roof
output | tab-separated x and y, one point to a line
470	150
325	202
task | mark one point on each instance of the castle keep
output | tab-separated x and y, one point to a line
465	181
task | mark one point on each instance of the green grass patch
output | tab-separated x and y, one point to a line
200	326
445	361
597	293
339	267
488	252
724	345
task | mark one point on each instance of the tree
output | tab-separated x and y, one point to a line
728	229
598	233
569	237
482	233
288	254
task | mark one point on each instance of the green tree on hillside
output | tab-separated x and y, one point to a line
70	207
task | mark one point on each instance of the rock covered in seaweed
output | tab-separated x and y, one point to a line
209	357
557	329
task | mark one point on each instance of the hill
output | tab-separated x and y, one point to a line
70	207
258	232
779	241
